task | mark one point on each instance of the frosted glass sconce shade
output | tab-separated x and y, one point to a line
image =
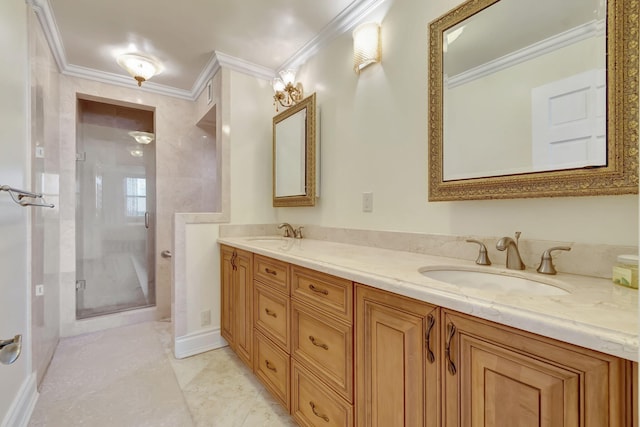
366	45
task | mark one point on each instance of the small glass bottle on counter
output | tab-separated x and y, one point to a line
625	271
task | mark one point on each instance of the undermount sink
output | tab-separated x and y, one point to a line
266	239
492	282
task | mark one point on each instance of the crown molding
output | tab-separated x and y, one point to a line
125	81
243	66
346	20
209	70
566	38
42	8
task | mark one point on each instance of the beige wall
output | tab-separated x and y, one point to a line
374	138
251	150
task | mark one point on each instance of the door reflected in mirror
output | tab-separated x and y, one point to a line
294	155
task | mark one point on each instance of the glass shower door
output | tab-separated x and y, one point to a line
115	195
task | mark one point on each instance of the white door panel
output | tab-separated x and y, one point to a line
569	122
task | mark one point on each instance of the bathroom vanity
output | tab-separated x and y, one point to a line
346	335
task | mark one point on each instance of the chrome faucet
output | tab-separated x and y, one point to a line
288	229
546	262
514	262
483	257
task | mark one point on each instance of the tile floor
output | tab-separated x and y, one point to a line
129	377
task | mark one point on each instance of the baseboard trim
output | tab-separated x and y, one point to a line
22	407
198	342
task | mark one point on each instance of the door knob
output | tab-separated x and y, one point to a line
10	350
165	254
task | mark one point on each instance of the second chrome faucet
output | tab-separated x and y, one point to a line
514	261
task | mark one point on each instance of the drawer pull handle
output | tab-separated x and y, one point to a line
270	366
317	414
451	331
431	321
270	313
270	271
319	290
317	344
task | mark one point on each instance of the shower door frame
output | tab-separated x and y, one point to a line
149	217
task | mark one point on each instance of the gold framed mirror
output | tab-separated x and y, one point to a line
294	155
607	110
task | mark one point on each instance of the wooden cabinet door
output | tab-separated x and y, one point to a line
243	306
396	377
496	376
236	298
226	297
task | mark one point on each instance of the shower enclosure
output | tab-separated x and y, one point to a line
115	208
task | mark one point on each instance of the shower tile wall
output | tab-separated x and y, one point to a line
185	164
45	175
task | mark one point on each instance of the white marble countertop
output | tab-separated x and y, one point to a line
595	313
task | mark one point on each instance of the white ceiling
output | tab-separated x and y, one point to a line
186	36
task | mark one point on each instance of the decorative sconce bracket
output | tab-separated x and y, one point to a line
286	93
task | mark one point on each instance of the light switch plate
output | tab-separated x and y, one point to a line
367	202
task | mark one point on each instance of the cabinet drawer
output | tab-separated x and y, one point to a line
324	345
323	291
271	272
271	366
314	404
272	314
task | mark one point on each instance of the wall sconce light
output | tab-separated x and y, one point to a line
366	45
285	92
140	67
142	137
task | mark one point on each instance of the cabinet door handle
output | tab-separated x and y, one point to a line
316	413
270	271
451	331
317	344
318	290
270	366
233	260
270	313
431	321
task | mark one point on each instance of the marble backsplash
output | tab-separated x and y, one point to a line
583	259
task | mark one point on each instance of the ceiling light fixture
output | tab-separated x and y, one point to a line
141	68
142	137
366	45
136	152
285	92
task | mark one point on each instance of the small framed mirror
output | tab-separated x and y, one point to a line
294	155
533	98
